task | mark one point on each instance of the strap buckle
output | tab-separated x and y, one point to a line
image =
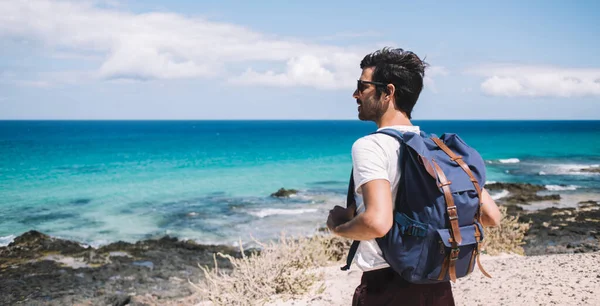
440	185
452	215
454	254
455	157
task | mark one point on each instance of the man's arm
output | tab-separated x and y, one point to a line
377	219
490	214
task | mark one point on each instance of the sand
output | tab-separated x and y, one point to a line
564	279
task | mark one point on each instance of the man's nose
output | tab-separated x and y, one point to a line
355	94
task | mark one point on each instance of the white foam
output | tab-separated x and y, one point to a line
561	188
490	182
96	244
500	195
6	240
509	161
275	211
571	169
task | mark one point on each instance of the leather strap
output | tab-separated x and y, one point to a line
471	266
465	167
475	252
480	266
450	207
452	267
477	236
455	236
444	269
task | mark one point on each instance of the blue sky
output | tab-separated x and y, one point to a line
299	60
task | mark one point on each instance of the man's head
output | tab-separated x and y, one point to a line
389	76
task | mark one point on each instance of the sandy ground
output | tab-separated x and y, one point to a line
565	279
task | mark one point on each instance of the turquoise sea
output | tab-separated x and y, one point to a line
102	181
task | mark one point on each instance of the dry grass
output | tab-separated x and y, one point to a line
507	238
285	268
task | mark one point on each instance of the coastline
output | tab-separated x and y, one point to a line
41	269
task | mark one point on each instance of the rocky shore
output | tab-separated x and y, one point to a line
36	269
553	230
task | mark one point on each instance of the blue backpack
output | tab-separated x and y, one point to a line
437	228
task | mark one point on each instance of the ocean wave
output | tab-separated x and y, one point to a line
573	169
561	169
509	161
500	195
6	240
561	187
276	211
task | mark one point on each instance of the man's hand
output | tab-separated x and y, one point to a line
338	216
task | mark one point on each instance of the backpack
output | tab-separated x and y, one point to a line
437	231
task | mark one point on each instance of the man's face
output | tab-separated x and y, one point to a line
370	108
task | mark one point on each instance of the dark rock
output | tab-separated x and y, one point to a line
513	209
515	187
521	193
118	300
526	198
588	204
34	244
591	170
284	193
29	270
561	230
81	201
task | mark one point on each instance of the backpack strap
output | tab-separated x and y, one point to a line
455	237
351	203
465	167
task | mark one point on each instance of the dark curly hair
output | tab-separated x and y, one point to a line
402	68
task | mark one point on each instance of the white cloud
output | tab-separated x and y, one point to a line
308	70
167	46
47	79
433	71
538	81
146	46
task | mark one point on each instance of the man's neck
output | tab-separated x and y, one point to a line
393	118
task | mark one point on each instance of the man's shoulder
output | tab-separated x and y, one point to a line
375	140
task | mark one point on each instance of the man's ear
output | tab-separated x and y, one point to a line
391	89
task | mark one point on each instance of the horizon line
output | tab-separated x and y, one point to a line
285	119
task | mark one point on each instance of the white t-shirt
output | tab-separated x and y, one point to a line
375	157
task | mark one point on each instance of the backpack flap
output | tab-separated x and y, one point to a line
467	232
466	257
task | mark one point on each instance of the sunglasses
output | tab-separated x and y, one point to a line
362	85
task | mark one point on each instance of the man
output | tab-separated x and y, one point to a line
388	89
